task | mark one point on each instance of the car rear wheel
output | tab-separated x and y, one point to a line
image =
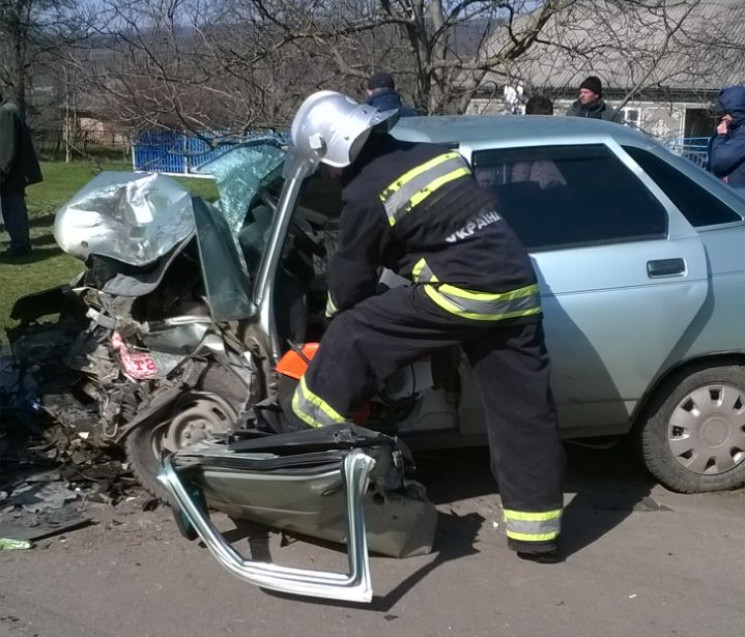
694	438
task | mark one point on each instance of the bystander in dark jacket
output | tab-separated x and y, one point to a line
539	105
382	94
591	103
727	147
19	168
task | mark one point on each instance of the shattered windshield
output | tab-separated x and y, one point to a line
243	175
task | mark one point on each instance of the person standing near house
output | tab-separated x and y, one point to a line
19	168
591	103
381	93
727	146
416	209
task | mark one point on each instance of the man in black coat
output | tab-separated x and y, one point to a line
591	103
19	168
382	94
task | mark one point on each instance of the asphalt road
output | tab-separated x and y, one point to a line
639	561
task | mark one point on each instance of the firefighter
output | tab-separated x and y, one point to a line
415	208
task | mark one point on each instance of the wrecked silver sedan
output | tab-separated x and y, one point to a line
182	339
189	347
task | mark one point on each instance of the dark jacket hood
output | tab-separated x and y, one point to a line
388	99
732	101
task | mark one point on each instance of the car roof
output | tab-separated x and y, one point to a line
444	129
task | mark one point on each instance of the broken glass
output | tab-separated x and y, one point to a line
240	175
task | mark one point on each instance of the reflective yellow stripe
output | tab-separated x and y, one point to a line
532	516
406	177
449	306
448	289
416	185
419	267
304	398
533	526
434	185
484	306
303	415
533	537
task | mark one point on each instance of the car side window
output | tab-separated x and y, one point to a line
566	196
700	207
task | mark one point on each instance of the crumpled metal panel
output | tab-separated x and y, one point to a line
132	218
223	269
303	491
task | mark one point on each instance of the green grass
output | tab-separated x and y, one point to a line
47	265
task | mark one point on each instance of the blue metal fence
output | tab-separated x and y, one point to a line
182	154
696	149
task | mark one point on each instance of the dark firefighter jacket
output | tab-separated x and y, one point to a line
416	209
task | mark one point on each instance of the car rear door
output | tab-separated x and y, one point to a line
622	273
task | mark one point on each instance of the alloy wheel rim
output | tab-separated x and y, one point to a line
706	431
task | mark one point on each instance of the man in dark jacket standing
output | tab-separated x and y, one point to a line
19	168
382	94
416	209
727	147
591	103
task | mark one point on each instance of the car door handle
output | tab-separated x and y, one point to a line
665	267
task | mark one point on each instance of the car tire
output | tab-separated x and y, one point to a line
216	400
693	439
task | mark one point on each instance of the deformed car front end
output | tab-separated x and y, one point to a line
176	328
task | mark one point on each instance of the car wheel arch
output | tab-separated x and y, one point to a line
675	451
676	372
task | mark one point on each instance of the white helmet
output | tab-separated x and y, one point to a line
332	128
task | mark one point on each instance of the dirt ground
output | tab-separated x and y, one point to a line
639	561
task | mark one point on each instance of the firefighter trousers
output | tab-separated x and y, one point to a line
383	333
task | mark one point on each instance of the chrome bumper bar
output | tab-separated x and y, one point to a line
354	586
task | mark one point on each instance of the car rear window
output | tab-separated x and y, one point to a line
699	206
562	196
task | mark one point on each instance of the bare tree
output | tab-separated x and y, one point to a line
239	64
31	32
645	47
436	48
188	64
233	65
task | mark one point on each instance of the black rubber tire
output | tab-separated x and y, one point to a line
143	461
653	431
140	446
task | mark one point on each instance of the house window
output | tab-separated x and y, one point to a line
632	117
566	196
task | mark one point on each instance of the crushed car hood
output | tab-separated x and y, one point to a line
144	221
137	218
